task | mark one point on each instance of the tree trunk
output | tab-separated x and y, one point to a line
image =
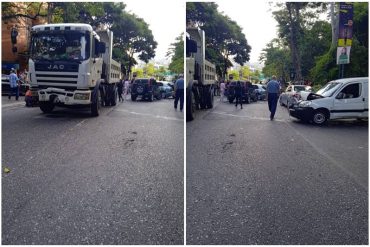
294	44
334	25
50	12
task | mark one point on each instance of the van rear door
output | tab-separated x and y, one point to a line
365	99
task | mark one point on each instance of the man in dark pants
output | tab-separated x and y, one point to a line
238	95
273	89
179	87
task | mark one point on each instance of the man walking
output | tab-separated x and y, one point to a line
273	89
13	79
179	88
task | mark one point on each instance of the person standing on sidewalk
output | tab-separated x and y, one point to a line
273	90
14	88
222	88
179	88
126	88
120	90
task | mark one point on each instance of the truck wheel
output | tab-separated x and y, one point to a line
210	100
133	97
231	100
319	117
96	104
190	107
46	106
114	97
248	99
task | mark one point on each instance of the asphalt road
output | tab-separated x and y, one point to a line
255	181
75	179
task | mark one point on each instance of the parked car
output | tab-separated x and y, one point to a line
165	89
146	88
5	86
252	90
248	92
292	94
260	91
343	98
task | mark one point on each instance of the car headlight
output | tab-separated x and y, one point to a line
305	104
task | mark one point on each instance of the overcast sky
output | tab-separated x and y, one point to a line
166	19
256	21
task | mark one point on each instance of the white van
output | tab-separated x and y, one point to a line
343	98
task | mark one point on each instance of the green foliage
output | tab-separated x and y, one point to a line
234	73
316	56
176	51
139	72
326	69
132	36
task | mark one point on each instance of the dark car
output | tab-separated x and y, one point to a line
146	88
248	92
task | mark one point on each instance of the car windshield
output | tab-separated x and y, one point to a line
329	89
299	88
141	81
71	45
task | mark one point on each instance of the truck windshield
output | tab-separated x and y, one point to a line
71	45
329	89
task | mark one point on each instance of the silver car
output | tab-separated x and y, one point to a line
292	94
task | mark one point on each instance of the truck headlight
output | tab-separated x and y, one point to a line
305	104
82	96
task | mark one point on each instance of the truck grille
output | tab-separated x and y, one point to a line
56	79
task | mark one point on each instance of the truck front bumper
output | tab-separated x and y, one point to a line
302	113
61	96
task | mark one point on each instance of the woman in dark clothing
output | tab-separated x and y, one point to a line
238	95
120	90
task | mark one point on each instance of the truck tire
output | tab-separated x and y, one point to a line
151	97
46	106
248	99
114	97
210	100
133	97
320	117
231	100
190	107
96	104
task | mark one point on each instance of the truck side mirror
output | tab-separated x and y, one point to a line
100	48
191	46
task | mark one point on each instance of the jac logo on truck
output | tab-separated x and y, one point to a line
56	67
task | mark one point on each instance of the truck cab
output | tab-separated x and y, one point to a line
70	64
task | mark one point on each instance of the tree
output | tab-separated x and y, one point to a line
276	57
176	52
293	18
326	69
29	10
225	41
132	38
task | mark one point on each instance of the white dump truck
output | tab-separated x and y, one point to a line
71	65
200	73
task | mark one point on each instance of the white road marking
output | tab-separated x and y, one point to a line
152	115
22	103
248	117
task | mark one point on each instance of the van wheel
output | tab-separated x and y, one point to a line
319	117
